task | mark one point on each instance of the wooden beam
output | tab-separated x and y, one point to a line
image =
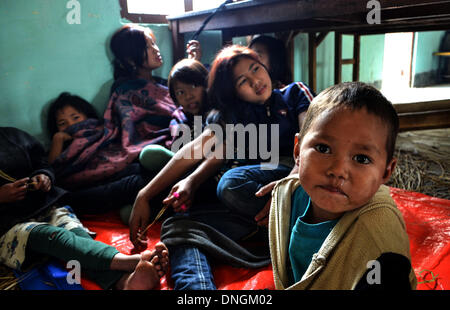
424	115
312	61
356	56
337	57
347	61
288	40
423	106
321	37
178	47
322	15
424	120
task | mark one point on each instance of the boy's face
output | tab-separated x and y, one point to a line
68	116
189	96
342	161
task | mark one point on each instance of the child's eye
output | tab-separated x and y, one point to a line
362	159
242	81
179	93
255	68
323	148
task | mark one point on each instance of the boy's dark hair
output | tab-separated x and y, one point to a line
63	100
355	95
279	68
189	71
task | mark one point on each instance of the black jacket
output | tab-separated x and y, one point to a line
22	156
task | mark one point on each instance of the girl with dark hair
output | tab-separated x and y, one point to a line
65	111
273	55
71	119
187	88
136	53
238	76
193	73
138	114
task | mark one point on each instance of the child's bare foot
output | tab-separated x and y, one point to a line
146	274
163	254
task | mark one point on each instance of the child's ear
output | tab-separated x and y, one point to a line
389	170
296	150
131	63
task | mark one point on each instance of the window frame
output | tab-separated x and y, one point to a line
148	18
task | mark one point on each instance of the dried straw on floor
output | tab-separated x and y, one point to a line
423	162
7	279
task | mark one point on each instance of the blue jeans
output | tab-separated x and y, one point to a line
233	216
190	269
237	187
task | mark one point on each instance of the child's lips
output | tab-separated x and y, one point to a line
333	189
261	90
193	105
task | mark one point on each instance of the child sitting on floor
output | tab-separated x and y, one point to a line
187	88
64	112
334	225
70	119
34	221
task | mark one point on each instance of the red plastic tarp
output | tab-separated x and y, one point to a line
428	226
427	221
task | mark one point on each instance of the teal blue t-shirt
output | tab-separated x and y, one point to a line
306	239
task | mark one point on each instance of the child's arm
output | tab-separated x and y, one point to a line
187	187
184	160
262	217
57	145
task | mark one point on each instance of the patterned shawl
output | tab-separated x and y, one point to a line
138	114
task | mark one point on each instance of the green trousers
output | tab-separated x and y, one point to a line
76	244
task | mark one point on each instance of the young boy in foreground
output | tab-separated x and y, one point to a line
334	225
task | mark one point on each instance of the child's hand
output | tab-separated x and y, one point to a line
12	192
40	182
181	195
61	137
194	50
262	218
138	221
57	145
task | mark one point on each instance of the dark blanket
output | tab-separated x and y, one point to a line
138	114
21	156
180	230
